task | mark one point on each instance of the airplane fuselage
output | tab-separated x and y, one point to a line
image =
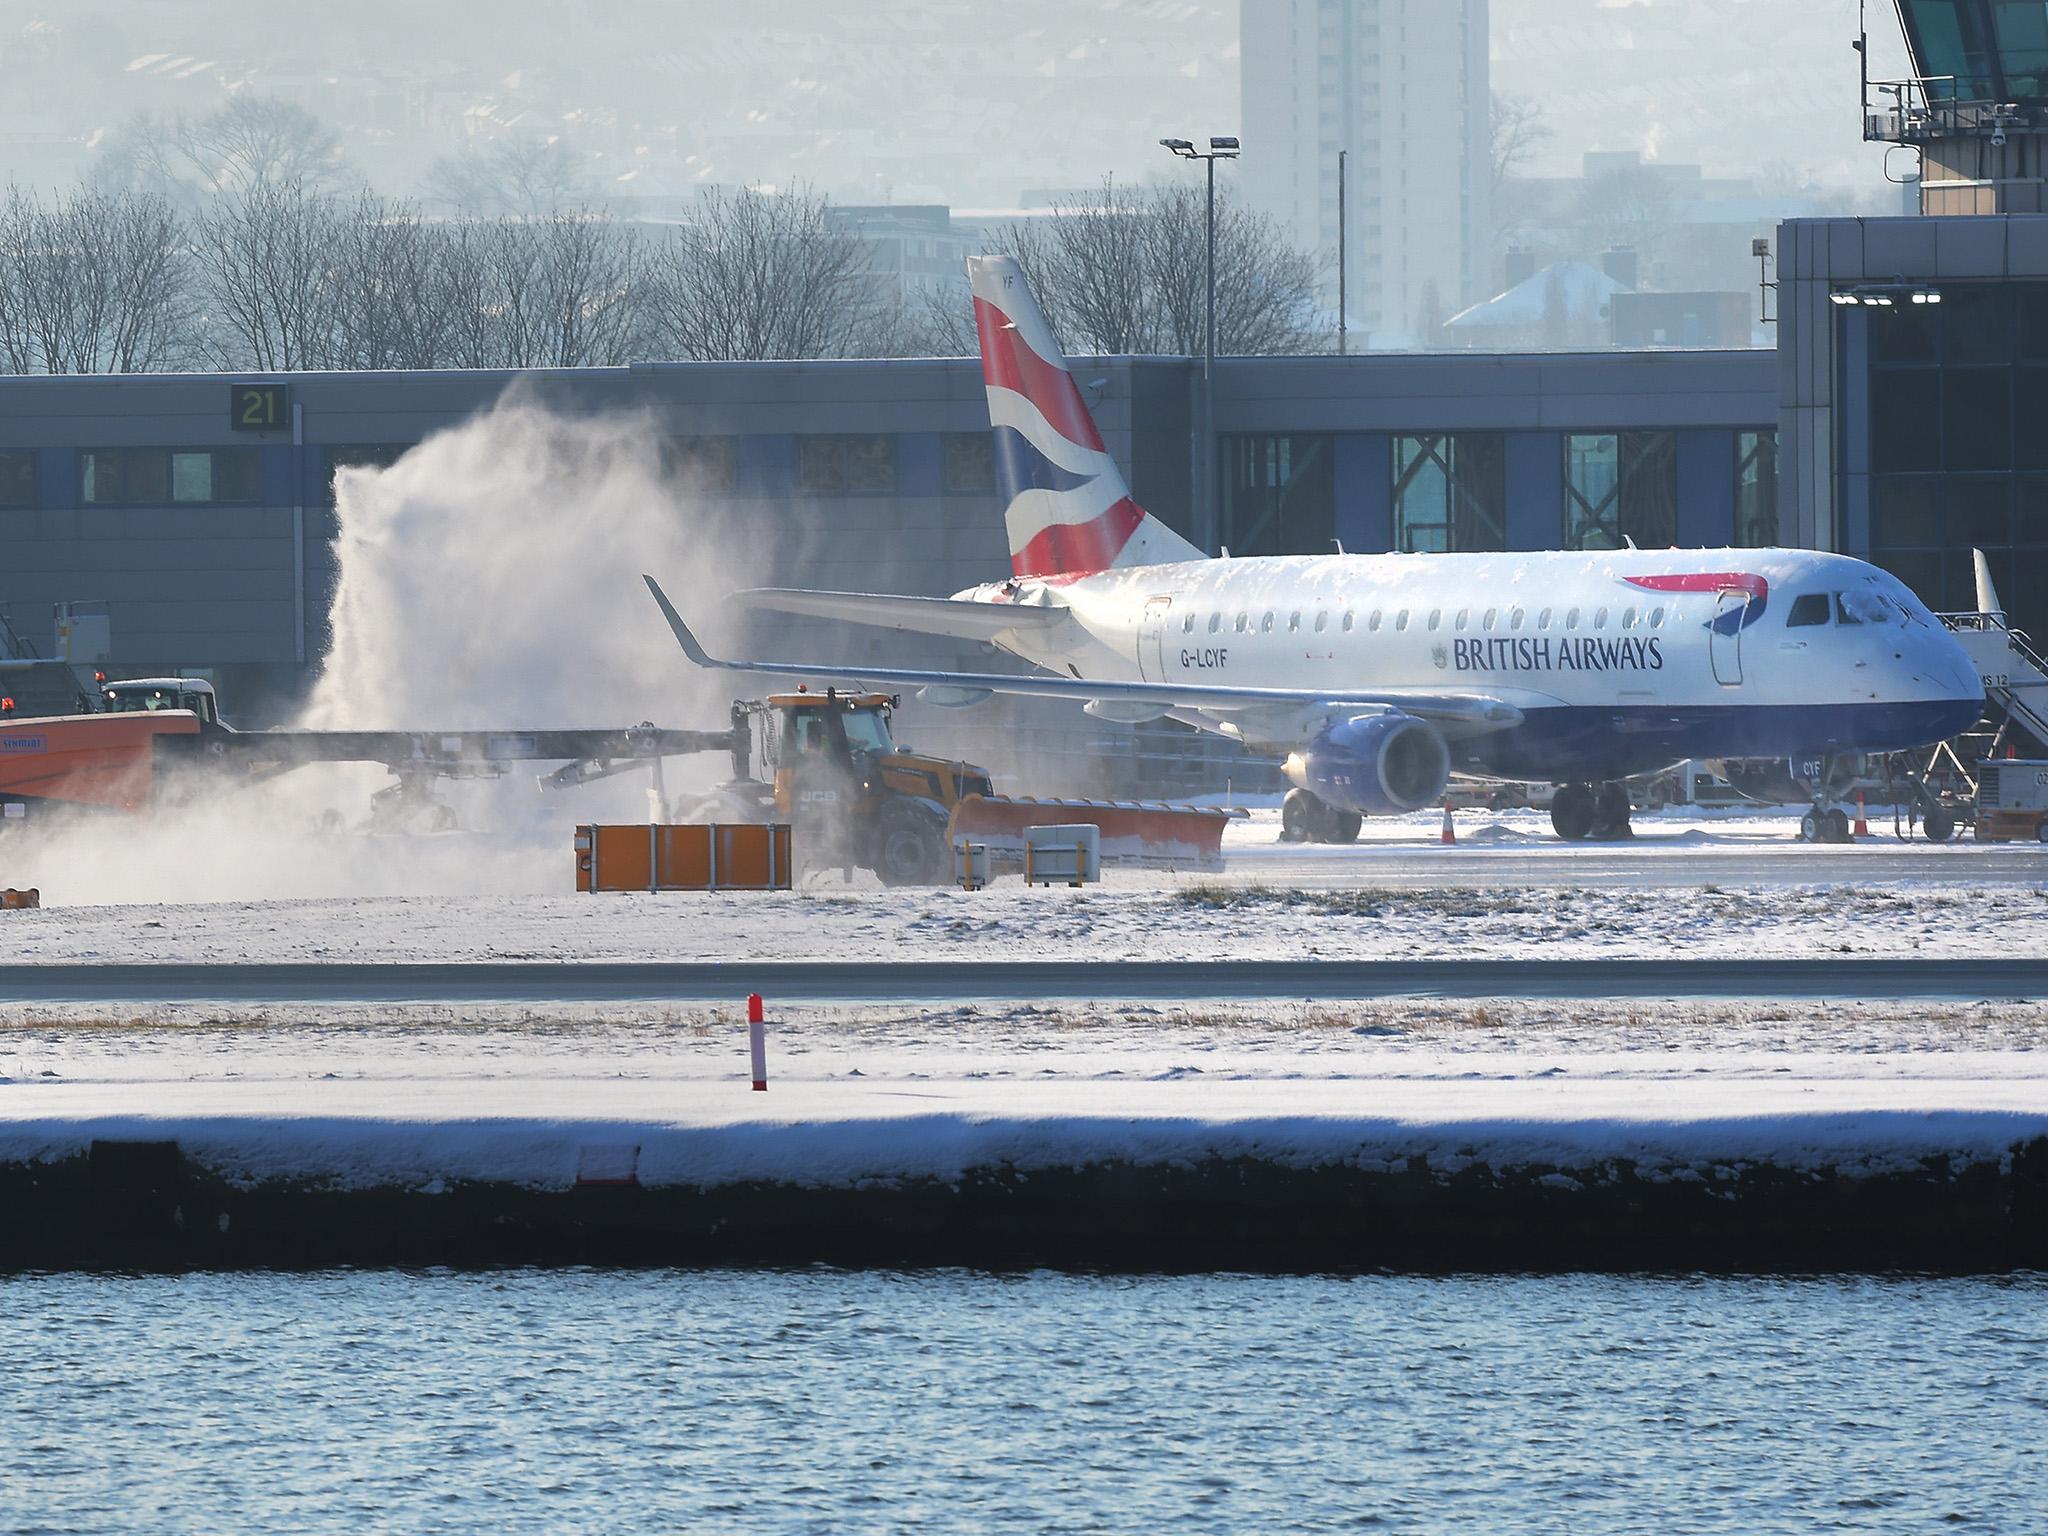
1622	662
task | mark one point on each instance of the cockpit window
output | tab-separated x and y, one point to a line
1807	608
1863	607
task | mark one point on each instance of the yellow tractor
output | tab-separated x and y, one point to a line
851	797
827	763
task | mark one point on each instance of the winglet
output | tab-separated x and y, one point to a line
684	638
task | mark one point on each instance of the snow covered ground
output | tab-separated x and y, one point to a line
1184	918
364	1095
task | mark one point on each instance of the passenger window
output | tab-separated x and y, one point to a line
1187	625
1322	622
1436	617
1464	616
1215	622
1294	621
1401	619
1807	609
1489	618
1628	618
1515	619
1244	622
1372	624
1543	619
1599	618
1348	616
1571	618
1266	625
1656	618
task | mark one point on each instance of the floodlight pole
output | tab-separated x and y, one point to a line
1342	232
1220	148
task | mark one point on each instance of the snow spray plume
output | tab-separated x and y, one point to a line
490	579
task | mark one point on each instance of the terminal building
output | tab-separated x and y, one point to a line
1902	418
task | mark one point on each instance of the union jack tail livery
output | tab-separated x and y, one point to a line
1066	504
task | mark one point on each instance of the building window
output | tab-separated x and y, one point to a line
1756	490
18	477
1620	486
1279	494
1450	492
161	477
1957	393
846	464
970	463
704	463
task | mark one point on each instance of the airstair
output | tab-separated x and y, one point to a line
2014	672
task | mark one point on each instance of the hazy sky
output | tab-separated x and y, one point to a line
961	101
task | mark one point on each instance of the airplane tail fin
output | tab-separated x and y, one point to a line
1068	509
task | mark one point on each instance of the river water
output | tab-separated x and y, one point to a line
825	1401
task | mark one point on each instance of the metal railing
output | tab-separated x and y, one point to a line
1932	107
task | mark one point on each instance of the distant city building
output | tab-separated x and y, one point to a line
916	255
1401	85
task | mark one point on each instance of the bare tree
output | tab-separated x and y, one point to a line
387	284
1128	272
758	275
262	140
142	155
511	178
564	287
1518	132
266	263
95	282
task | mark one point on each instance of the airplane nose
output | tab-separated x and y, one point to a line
1951	665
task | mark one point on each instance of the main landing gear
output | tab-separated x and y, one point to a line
1305	818
1580	811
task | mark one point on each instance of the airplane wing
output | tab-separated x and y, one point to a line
954	616
1460	714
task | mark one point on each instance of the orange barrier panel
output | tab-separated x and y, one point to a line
12	900
716	857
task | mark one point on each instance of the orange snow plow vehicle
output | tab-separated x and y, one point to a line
89	760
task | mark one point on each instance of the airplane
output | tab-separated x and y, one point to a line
1378	677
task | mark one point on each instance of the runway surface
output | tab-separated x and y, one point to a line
1859	977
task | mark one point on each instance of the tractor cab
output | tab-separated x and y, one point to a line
149	695
858	797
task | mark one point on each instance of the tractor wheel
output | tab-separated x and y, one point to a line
910	848
1939	824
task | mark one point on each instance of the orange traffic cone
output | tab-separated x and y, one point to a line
1862	827
1450	833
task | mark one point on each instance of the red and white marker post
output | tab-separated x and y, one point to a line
757	1042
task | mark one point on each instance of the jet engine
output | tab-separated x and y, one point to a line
1376	765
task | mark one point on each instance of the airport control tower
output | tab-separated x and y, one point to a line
1976	108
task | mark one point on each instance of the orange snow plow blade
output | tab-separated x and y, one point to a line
1133	831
